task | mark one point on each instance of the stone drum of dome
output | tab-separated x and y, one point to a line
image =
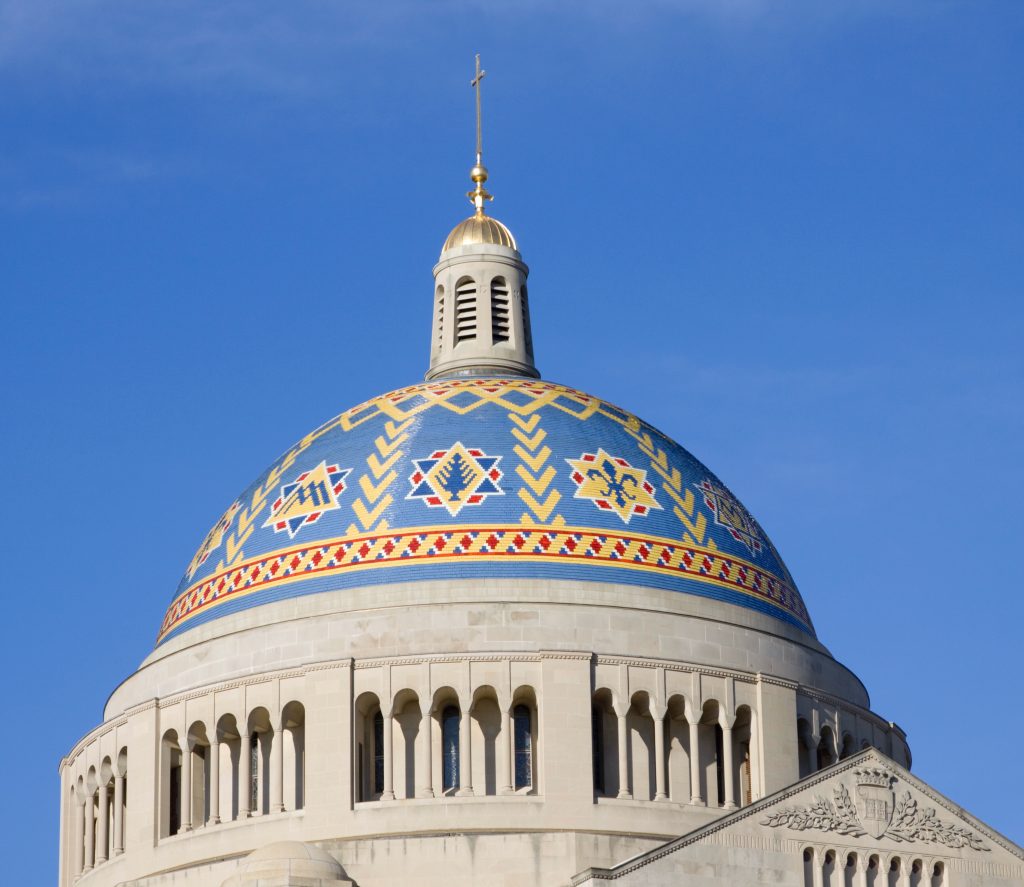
497	478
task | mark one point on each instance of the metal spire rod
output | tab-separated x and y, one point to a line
475	83
479	172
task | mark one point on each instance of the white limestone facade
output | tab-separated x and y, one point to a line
698	708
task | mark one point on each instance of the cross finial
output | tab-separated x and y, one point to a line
475	83
479	172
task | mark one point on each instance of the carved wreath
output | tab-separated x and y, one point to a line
909	822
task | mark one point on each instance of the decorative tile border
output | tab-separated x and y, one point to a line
499	548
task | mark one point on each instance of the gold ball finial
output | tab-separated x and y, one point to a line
478	173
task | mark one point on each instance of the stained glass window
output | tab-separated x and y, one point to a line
378	752
523	736
450	747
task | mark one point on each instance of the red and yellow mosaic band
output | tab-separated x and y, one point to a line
576	547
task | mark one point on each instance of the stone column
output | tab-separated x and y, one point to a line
245	775
79	838
659	756
118	815
695	795
90	835
506	754
730	788
214	779
186	788
388	792
277	770
101	822
465	754
817	863
861	872
426	780
624	791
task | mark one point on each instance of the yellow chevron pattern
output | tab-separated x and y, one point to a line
672	484
534	472
380	475
521	397
233	551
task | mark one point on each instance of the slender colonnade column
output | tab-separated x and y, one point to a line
695	795
817	862
465	754
426	759
388	793
245	776
80	837
624	791
730	788
101	821
90	835
659	758
118	815
186	788
214	779
277	770
506	753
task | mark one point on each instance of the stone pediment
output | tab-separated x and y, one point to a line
865	820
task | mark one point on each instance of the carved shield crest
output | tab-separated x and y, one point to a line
875	799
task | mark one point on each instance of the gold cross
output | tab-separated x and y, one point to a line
475	83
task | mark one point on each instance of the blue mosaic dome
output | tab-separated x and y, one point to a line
483	477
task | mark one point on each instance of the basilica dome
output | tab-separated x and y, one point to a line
489	478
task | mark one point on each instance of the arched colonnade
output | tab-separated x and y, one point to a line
238	768
411	746
673	751
98	804
832	867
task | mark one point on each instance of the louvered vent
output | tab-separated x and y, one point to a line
524	310
465	310
499	310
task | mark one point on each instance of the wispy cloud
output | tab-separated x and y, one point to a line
270	46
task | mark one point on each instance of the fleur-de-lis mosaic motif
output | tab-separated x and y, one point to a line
612	484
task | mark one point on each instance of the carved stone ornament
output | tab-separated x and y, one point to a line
877	813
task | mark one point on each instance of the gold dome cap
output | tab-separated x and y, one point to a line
479	228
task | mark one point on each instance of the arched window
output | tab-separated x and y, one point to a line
439	319
805	747
450	748
808	867
746	784
720	764
170	777
522	731
826	749
378	752
499	310
597	747
850	870
465	310
254	772
828	869
175	796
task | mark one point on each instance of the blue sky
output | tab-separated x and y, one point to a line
787	233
